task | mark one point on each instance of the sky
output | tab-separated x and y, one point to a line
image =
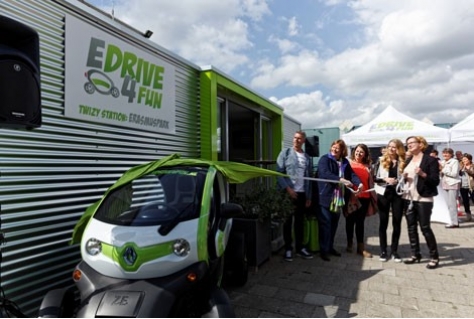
326	62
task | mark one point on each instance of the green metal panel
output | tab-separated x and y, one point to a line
213	84
246	93
209	107
278	136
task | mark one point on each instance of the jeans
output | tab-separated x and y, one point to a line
298	214
390	198
421	214
328	222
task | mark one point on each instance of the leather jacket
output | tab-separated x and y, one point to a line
428	187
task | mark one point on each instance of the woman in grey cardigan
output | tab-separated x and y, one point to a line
450	182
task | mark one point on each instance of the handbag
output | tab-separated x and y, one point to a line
353	204
373	208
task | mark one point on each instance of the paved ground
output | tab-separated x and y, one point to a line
351	286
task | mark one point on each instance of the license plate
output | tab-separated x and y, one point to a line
119	303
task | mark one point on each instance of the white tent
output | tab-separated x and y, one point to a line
393	124
463	131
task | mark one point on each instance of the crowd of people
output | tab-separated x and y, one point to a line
402	182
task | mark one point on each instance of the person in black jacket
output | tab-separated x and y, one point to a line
421	177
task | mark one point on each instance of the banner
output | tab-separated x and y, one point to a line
113	82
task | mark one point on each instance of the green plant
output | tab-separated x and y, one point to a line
264	202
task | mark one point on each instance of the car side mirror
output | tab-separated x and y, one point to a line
230	210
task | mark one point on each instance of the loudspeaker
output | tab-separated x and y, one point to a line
311	146
20	93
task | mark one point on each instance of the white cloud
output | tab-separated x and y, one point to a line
349	61
255	9
403	62
314	107
202	31
293	26
284	45
294	70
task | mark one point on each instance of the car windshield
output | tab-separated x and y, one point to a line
155	199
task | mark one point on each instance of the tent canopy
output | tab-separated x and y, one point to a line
463	131
392	124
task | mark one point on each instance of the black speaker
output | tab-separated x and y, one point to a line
311	146
20	93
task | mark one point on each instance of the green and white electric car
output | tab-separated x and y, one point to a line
154	244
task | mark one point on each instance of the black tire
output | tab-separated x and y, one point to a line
236	269
58	303
89	88
220	305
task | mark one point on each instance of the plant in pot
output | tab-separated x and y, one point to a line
265	210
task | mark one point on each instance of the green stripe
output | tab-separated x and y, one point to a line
203	224
99	82
220	241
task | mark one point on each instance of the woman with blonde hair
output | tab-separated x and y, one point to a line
387	176
421	176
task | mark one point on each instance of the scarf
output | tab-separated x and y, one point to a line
337	202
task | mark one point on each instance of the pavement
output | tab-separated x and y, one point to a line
353	286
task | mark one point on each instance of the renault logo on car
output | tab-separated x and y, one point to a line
130	256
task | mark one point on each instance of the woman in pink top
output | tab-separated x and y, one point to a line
360	163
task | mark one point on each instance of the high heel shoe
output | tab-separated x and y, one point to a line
433	264
412	260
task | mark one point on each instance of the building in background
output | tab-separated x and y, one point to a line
320	140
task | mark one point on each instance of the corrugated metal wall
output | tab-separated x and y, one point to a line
290	126
51	174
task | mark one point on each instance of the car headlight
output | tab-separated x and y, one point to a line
93	246
181	247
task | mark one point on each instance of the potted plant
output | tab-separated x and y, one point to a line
265	210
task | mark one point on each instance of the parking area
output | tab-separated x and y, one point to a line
351	286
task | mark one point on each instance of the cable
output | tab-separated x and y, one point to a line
335	182
8	308
400	188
